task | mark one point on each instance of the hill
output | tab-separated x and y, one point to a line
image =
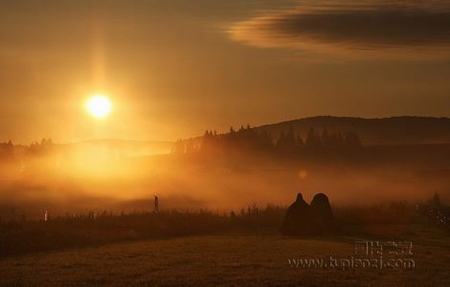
372	131
128	147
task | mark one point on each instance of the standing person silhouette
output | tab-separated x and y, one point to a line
46	215
156	204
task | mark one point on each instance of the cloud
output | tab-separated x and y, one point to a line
357	30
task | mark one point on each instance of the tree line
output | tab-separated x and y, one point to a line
9	149
248	139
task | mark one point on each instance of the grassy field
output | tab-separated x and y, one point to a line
226	260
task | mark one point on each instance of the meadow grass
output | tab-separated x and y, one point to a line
225	260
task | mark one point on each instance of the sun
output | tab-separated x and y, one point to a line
99	106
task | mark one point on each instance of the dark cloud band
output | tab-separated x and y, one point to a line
370	28
363	28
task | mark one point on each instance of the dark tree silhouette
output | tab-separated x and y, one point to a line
248	140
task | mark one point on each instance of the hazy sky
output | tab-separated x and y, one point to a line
174	68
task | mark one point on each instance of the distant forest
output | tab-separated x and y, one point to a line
9	150
247	139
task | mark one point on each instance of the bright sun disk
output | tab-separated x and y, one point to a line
99	106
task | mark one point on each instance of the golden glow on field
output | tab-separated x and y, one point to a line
99	106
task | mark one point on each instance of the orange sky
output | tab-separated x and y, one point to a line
175	68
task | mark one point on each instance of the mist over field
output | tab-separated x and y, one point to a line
99	177
224	143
